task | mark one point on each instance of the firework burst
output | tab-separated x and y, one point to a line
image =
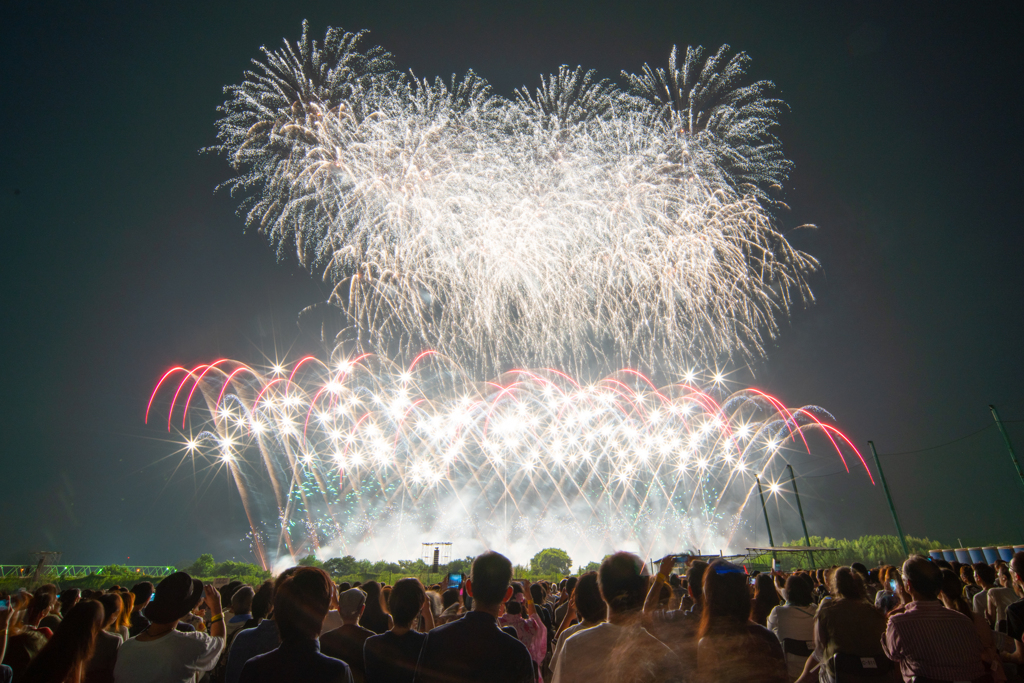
365	455
577	225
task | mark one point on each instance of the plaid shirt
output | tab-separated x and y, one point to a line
932	641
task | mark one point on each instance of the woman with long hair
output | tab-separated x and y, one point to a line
971	587
391	657
766	598
375	617
64	657
952	596
51	619
124	621
888	598
794	621
39	606
112	606
730	647
24	640
587	604
100	668
847	623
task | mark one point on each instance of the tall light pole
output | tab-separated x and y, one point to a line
800	509
888	497
768	524
1009	446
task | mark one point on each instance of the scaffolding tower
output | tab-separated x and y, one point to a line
436	555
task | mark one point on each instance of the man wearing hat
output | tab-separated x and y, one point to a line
346	641
161	653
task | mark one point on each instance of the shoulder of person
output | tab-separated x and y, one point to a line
251	669
896	618
826	606
651	640
332	662
512	642
108	639
197	639
582	636
760	631
452	627
965	621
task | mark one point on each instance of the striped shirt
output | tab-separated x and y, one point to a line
934	642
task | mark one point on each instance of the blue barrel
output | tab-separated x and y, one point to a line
1018	549
1006	553
936	554
991	554
963	555
977	555
949	555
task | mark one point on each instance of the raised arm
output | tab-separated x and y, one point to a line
212	598
654	594
428	616
570	615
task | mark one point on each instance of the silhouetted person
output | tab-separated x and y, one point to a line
926	639
585	602
143	592
374	618
64	657
619	650
391	657
300	605
346	641
766	598
473	648
731	647
263	638
162	653
100	668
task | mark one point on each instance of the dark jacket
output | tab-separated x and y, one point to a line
474	650
295	661
346	643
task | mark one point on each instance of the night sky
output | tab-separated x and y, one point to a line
119	261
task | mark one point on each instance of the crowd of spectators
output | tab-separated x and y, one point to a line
928	621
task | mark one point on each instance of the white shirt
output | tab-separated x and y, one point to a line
980	601
609	653
560	643
792	621
1001	597
174	658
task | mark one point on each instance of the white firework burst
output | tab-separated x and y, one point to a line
578	224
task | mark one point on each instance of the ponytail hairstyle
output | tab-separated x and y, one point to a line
127	606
